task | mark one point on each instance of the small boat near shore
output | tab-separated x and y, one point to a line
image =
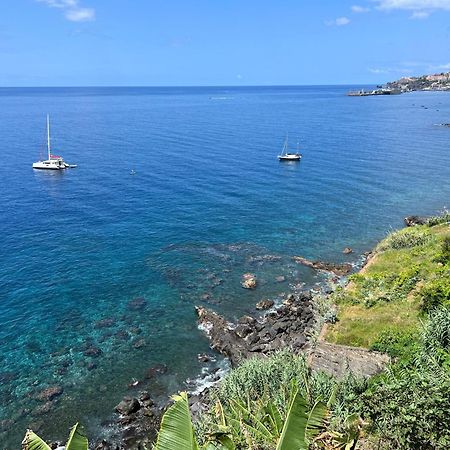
53	162
286	155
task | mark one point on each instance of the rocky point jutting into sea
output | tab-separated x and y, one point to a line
294	322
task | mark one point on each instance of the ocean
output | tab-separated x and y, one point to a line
177	193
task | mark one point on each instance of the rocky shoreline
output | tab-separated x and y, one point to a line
294	324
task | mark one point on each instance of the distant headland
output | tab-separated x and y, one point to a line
433	82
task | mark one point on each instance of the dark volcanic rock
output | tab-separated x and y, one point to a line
128	406
411	221
265	304
338	269
286	326
347	251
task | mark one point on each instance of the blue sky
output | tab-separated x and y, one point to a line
220	42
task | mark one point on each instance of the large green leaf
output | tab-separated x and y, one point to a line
32	441
176	432
316	419
77	439
293	436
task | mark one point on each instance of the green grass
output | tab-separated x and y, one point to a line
408	272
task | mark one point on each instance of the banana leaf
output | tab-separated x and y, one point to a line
32	441
77	439
177	432
293	436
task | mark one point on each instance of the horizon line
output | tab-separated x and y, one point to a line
184	86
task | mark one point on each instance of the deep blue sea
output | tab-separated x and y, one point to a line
100	268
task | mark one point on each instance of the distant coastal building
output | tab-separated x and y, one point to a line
438	77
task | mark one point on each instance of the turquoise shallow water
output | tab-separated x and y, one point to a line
209	202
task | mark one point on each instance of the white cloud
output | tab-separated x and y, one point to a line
340	21
72	10
386	70
80	14
441	67
359	9
421	9
414	4
420	15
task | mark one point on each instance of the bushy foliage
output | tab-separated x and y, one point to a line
436	292
444	255
260	386
444	217
398	343
409	406
406	238
410	410
376	288
436	336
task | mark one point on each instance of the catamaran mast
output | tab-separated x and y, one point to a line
48	137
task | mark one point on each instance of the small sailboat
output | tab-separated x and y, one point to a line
286	155
53	162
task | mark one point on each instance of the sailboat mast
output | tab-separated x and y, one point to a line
48	136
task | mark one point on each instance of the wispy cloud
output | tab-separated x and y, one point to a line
420	15
339	22
386	70
359	9
72	10
421	9
441	67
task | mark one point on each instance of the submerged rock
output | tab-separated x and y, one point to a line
158	369
50	393
93	351
137	304
105	323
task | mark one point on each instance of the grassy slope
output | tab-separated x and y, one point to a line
385	295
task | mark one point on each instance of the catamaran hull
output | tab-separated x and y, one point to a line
49	168
289	158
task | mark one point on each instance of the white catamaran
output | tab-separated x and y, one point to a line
286	155
53	162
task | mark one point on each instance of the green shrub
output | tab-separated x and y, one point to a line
398	344
411	411
444	217
444	255
436	292
405	238
436	336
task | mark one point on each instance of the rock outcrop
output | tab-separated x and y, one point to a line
337	269
288	325
248	281
339	360
412	221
